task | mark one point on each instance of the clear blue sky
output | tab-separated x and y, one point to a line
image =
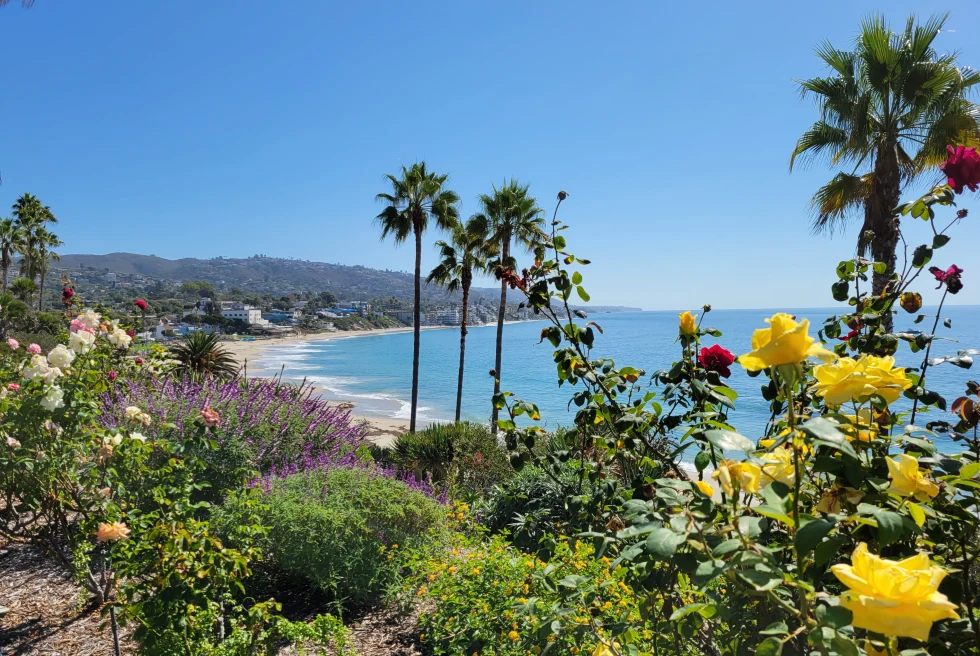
241	127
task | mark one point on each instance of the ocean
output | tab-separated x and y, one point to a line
375	371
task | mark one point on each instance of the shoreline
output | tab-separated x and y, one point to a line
381	430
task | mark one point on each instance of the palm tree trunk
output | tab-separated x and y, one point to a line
418	323
504	256
467	280
40	295
6	271
881	218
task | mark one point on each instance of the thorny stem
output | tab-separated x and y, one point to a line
925	360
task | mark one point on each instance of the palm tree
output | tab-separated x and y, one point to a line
46	240
11	240
31	217
415	198
510	214
23	289
462	256
887	112
199	356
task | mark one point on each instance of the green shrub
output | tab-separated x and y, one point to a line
337	528
466	457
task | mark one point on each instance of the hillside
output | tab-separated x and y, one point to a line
262	274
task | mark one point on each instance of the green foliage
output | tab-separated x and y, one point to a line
339	528
465	457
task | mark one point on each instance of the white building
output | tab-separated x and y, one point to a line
251	316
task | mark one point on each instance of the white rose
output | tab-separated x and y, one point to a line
119	338
137	436
61	357
132	412
52	374
38	368
12	443
81	342
53	399
90	319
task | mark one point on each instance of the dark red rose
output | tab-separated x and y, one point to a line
139	360
67	293
141	304
131	332
962	168
848	336
112	375
950	277
717	359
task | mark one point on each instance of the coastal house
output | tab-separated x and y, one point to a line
250	316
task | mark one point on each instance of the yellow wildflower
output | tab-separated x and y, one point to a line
514	636
743	474
908	480
894	598
784	342
688	325
705	488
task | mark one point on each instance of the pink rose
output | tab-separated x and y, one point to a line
962	168
13	387
211	418
13	343
112	375
34	348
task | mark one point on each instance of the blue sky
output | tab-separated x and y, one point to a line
241	127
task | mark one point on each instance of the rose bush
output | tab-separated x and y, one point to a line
841	529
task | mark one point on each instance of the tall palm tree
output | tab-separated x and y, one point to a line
46	240
31	216
461	257
511	214
11	240
888	110
415	197
23	289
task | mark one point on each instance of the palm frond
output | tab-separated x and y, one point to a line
835	202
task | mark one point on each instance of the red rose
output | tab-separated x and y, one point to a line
67	293
131	332
717	359
962	168
848	336
141	304
112	375
950	277
139	360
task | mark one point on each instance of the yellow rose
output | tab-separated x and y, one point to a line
688	325
604	650
777	465
861	428
894	598
842	381
908	480
743	474
831	501
784	342
852	380
889	381
111	532
705	488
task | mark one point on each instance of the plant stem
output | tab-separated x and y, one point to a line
925	360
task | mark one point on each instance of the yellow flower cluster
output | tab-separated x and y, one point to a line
856	380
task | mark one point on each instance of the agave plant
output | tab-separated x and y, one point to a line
200	356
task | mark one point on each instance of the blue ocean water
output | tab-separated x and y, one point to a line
375	371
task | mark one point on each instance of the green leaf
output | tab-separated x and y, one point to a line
702	460
752	527
707	571
663	542
582	294
825	431
769	647
729	441
839	290
921	256
890	526
880	267
811	533
760	580
939	241
971	470
775	513
559	242
684	611
776	628
576	278
726	547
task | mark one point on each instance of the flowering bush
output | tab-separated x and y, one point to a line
840	529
